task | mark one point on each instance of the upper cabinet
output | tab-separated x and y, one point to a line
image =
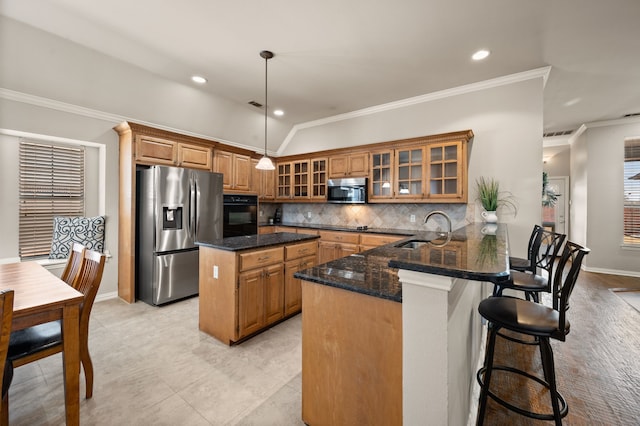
318	179
152	150
236	169
292	180
349	165
432	169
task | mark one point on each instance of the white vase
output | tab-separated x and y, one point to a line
490	217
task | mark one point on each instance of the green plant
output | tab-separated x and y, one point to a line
490	196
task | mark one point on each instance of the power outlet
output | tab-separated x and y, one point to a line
412	218
308	215
215	271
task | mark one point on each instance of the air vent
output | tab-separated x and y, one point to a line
255	104
633	114
559	133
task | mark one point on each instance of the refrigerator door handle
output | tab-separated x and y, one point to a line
191	208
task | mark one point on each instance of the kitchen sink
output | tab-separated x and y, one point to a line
412	244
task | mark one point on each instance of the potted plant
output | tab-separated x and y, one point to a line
491	198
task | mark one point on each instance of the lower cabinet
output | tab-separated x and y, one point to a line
334	245
242	293
292	285
260	298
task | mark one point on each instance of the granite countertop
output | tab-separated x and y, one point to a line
470	252
358	229
256	241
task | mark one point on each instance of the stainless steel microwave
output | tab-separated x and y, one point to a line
347	191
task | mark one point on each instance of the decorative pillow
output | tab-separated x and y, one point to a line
88	231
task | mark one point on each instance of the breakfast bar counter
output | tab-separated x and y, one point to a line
391	335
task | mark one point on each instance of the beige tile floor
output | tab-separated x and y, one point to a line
154	367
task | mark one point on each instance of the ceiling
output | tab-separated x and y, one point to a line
337	56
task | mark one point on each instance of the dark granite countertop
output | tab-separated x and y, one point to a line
406	232
468	253
256	241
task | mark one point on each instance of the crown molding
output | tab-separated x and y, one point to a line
40	101
429	97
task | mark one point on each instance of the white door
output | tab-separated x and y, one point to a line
556	217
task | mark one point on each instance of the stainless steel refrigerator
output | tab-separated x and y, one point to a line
176	207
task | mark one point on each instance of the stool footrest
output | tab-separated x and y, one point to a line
564	409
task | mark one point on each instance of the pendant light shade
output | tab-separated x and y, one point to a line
265	162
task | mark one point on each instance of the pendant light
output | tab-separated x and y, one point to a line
265	162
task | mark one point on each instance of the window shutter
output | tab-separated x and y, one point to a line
51	184
632	192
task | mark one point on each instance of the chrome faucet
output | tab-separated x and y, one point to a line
441	213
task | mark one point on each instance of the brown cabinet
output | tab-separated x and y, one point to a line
151	150
262	182
318	179
334	245
241	293
293	180
349	165
422	171
369	241
236	170
298	257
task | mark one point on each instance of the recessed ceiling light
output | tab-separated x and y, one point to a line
572	102
198	79
278	112
480	55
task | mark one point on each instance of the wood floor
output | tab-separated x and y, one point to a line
597	368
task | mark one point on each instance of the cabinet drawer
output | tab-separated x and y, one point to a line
261	258
340	237
298	250
379	240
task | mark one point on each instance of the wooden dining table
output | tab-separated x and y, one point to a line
39	297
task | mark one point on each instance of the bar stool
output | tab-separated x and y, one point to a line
546	246
522	264
535	320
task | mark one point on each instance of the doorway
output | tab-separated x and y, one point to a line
554	217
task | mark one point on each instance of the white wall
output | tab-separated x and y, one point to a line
602	147
559	164
37	63
22	117
506	121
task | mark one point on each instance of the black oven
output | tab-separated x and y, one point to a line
240	215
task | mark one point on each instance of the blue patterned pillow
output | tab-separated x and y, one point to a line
88	231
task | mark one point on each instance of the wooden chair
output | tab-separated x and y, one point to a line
6	373
73	263
43	340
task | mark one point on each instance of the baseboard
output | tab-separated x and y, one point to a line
106	296
612	272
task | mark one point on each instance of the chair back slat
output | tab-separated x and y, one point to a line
547	247
74	262
564	282
88	281
533	247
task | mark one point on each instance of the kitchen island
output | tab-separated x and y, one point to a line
246	283
392	335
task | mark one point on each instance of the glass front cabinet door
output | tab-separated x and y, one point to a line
381	182
445	177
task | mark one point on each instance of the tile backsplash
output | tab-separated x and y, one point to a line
396	216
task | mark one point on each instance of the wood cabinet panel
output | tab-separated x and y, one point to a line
379	239
346	378
300	250
251	306
292	289
340	237
236	170
349	165
275	291
255	259
150	150
195	157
